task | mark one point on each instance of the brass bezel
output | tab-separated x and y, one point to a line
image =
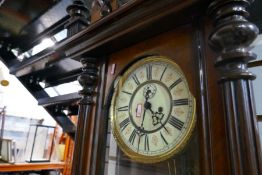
128	151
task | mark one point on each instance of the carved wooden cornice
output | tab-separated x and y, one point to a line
131	23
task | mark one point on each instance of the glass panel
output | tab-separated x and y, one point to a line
260	132
258	47
39	143
30	142
257	83
117	163
48	144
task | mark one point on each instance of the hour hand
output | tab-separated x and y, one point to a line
142	123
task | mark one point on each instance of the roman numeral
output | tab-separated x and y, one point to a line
176	122
175	83
124	108
163	74
146	146
124	124
136	80
149	72
127	92
163	138
180	102
132	137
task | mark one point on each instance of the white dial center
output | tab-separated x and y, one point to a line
155	100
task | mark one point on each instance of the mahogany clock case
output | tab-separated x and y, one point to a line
186	46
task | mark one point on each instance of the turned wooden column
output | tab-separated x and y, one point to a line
80	19
231	38
83	140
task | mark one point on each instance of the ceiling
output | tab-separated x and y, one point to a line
16	14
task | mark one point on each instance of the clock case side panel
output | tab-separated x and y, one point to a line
210	120
214	152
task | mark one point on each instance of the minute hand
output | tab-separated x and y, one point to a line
143	118
145	108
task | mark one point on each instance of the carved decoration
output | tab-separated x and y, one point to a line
79	17
88	80
231	38
105	7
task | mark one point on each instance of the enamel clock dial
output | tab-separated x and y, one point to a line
152	110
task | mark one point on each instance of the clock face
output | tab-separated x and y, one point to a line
152	110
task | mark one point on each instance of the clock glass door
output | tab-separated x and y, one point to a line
152	120
117	163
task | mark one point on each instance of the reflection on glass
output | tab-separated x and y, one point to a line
257	85
117	163
39	143
256	68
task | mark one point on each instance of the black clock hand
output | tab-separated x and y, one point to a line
145	107
159	121
164	126
139	138
143	118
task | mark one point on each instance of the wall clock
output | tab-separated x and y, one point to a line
152	110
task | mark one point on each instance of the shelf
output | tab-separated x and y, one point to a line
5	167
